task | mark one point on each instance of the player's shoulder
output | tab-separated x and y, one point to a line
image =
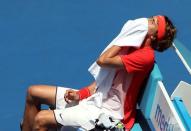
146	54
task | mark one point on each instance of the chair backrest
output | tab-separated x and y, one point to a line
149	92
182	112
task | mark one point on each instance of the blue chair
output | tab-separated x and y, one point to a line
182	112
149	93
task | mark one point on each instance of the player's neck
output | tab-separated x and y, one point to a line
146	43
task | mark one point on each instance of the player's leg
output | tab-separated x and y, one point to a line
37	95
44	120
81	115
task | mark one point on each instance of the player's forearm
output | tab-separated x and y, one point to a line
114	62
110	58
86	92
92	88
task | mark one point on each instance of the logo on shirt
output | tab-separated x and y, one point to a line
61	116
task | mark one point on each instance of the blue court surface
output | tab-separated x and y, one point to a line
54	43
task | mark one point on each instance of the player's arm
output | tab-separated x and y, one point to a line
73	95
110	58
92	88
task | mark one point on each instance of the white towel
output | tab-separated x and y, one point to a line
132	34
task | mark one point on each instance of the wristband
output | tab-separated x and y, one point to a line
83	93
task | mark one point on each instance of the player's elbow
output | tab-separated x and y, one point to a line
105	62
101	62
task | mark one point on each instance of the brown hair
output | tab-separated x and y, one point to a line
166	42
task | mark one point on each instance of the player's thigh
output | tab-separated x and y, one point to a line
43	93
81	115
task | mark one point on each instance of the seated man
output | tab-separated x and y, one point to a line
80	108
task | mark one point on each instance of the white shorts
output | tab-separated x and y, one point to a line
74	114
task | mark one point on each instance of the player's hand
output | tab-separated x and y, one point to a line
71	95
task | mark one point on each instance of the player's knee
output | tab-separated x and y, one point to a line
40	120
31	92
